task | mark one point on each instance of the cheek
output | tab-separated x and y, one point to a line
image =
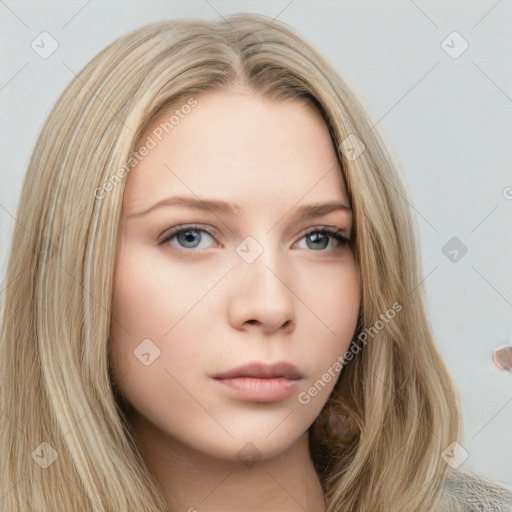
148	298
152	314
341	305
332	295
335	302
142	310
344	310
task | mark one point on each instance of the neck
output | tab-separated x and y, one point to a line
194	481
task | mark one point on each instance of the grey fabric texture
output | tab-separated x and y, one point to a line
468	492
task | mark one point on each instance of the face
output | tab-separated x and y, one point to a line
252	279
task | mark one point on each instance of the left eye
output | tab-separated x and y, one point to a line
319	236
190	238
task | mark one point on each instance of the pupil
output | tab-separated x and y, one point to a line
316	236
189	236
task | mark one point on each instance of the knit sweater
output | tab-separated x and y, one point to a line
468	492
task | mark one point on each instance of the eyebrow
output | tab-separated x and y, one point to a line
227	207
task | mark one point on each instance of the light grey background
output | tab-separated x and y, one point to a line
448	119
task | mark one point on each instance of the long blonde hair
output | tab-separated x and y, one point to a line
56	385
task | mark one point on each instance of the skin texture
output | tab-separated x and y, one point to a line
211	310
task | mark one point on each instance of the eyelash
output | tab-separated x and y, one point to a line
324	230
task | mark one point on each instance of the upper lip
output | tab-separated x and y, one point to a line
263	371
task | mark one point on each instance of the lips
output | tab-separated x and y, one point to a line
260	370
261	382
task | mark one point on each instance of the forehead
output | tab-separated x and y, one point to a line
239	147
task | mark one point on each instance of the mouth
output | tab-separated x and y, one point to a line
259	370
260	382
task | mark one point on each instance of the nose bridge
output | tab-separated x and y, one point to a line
266	272
264	261
262	289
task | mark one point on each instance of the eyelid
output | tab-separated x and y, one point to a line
326	227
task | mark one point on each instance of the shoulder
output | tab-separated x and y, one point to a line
468	492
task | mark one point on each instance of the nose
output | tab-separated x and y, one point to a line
261	296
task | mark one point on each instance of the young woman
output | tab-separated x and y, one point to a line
213	296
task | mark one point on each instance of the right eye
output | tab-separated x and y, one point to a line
188	238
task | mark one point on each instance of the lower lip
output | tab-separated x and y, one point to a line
261	390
